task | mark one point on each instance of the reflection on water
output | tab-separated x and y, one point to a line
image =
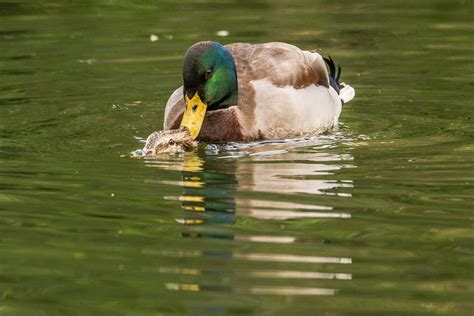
257	290
209	200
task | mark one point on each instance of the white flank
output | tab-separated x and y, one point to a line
286	111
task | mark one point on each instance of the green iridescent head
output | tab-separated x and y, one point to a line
209	70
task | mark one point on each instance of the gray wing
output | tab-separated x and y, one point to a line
283	64
174	110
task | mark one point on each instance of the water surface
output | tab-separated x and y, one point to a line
372	218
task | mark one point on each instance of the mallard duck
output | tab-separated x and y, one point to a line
244	92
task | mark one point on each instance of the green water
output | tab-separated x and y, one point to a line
374	218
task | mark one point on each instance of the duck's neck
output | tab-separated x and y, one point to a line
225	102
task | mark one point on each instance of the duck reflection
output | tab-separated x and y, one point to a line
210	185
264	183
207	192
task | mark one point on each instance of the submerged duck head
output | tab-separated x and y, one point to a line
209	83
171	141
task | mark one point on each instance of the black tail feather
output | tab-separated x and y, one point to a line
333	75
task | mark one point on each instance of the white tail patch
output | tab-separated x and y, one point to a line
346	93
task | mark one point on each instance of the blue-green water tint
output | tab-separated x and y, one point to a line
373	218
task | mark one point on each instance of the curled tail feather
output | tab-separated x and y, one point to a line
345	91
334	75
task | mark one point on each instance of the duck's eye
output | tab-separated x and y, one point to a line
171	142
208	73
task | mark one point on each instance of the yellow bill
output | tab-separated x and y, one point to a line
194	114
